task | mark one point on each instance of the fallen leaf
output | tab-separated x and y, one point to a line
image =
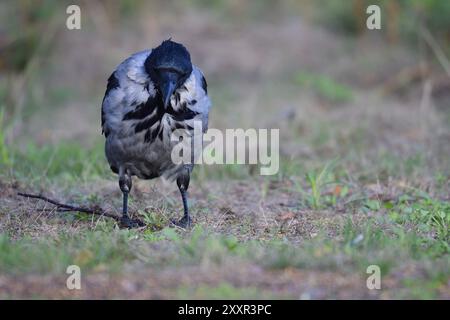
287	216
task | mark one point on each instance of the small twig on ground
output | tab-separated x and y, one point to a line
54	210
66	207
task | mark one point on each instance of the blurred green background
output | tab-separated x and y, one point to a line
46	68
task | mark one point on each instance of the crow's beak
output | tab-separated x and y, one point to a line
167	90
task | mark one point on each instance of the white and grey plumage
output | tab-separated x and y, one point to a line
148	96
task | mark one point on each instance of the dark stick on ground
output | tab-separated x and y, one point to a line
66	207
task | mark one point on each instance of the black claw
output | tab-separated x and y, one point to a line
184	222
126	222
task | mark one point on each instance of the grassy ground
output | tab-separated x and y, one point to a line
364	175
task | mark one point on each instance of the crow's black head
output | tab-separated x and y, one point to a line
168	65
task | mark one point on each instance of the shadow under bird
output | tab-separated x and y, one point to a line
148	96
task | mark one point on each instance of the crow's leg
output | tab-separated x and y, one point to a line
125	186
183	184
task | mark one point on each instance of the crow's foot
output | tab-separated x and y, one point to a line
126	222
184	222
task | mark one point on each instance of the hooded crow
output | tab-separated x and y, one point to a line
148	96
